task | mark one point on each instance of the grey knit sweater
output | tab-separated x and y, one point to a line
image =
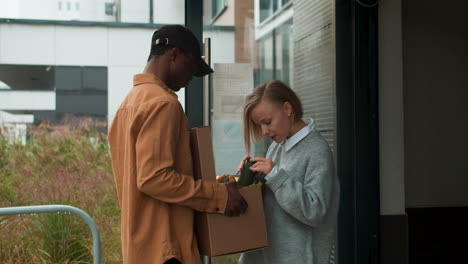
301	205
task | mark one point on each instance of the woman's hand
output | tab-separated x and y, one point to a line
241	165
262	165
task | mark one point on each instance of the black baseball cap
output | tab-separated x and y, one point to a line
184	39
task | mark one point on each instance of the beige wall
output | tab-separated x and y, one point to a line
245	32
392	178
435	67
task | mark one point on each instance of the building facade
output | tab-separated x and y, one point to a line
52	65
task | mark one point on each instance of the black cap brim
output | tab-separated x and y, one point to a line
203	69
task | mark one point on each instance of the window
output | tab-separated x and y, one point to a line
81	91
60	5
266	59
269	7
68	6
27	77
217	6
266	9
276	55
109	9
77	6
284	52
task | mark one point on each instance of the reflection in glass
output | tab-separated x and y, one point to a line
266	9
217	7
283	52
269	7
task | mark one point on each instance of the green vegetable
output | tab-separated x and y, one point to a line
247	176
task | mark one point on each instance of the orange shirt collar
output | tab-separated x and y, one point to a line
151	78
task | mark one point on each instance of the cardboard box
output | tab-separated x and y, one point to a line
218	234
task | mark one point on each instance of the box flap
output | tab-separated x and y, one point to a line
202	151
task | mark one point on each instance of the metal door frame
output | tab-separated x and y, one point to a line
357	131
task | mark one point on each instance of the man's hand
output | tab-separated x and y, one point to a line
236	204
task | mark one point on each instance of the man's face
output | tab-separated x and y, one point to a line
182	69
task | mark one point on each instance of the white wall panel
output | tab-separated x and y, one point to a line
222	45
120	83
27	44
27	100
12	118
169	12
44	9
129	46
81	46
9	9
135	11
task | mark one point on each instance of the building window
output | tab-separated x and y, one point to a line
217	6
109	9
77	6
60	5
266	9
81	91
269	7
68	6
276	55
284	47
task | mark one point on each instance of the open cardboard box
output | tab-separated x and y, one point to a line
218	234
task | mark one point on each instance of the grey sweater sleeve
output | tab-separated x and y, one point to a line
306	201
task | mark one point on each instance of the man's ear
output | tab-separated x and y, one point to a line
177	52
173	53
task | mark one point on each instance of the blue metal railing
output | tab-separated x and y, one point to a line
58	208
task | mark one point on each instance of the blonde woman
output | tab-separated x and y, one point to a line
302	191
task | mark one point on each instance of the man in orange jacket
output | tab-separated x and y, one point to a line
152	162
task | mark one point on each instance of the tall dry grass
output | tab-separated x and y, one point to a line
60	164
68	164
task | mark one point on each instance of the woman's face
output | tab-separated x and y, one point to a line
273	120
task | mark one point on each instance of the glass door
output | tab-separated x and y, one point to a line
254	41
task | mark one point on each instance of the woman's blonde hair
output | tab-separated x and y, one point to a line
276	92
